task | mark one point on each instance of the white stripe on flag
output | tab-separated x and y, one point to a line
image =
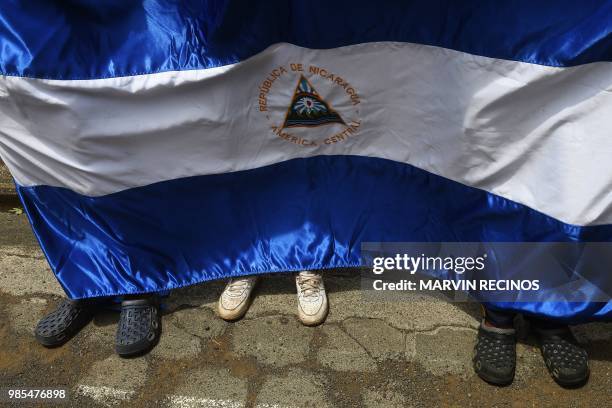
534	134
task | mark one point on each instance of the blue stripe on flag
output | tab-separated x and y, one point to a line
184	231
84	39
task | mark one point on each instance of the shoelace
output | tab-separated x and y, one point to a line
310	285
236	287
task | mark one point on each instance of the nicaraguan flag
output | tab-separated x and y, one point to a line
159	144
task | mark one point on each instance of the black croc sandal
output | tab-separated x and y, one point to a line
567	362
139	327
495	355
64	322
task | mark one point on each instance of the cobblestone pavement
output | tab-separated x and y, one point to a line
367	354
6	181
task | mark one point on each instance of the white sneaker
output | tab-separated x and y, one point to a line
312	299
236	298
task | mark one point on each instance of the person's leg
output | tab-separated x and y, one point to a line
312	298
236	298
495	350
498	318
139	324
65	321
565	359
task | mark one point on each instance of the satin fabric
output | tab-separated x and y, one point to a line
301	214
84	39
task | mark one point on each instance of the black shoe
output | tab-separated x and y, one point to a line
495	354
567	362
139	327
64	322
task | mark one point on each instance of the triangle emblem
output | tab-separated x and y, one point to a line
308	109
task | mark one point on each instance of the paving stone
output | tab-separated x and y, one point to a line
297	388
25	271
379	398
529	362
118	372
176	343
446	350
417	314
382	341
24	316
210	387
6	180
202	295
200	321
274	340
17	234
114	380
410	351
593	332
342	353
274	294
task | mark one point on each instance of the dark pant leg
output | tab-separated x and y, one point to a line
499	318
544	324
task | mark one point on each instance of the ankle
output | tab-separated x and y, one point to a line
497	329
490	324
